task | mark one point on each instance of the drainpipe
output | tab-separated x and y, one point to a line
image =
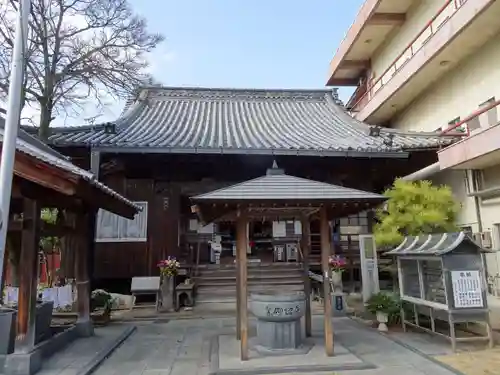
423	173
475	176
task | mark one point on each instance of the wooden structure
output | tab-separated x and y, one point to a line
442	277
283	197
173	143
43	178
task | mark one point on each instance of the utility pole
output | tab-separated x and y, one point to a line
12	122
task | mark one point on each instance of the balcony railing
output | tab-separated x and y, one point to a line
475	121
441	17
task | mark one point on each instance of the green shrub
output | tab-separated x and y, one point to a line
384	302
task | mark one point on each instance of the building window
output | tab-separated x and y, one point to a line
114	228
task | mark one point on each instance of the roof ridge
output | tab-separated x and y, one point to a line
237	89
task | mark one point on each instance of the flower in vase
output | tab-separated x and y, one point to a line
168	267
337	263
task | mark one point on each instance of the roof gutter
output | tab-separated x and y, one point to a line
235	151
423	173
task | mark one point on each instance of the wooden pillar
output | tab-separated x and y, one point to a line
306	250
84	323
241	249
325	253
238	291
28	277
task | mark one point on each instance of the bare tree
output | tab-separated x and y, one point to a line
78	51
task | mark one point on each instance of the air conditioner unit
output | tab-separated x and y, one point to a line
486	240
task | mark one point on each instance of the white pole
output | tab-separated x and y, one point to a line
12	121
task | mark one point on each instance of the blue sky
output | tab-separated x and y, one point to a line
236	44
247	43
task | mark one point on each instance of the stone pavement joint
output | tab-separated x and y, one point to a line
83	355
183	347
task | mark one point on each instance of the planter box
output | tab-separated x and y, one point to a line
43	320
7	330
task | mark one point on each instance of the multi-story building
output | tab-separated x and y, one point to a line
434	65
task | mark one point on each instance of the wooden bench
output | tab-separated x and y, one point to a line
146	286
186	290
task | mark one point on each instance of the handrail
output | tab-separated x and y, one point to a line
410	51
468	118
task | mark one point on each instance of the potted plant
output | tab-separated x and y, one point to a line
337	265
168	270
102	300
383	305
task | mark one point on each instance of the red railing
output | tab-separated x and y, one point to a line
443	15
472	116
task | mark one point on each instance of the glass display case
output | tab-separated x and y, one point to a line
442	277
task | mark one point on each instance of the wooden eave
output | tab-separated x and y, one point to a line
49	180
209	212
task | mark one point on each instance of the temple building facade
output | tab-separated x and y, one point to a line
433	66
171	144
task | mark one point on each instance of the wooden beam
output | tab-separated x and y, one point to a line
355	64
46	229
46	197
241	248
306	250
325	267
29	168
387	19
26	313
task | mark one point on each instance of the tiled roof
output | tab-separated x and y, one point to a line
240	121
34	147
278	186
433	244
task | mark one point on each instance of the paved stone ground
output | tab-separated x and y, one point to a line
183	347
79	353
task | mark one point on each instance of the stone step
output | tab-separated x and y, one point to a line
253	272
219	284
230	291
252	277
250	271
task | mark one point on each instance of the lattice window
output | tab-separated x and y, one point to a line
114	228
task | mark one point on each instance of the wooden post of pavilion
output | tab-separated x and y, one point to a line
306	250
241	249
327	300
238	291
26	312
83	323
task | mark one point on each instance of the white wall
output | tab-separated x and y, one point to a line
458	93
490	215
416	19
456	179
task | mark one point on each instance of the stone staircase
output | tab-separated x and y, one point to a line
216	285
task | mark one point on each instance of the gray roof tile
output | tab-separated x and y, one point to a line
433	244
34	147
277	186
240	121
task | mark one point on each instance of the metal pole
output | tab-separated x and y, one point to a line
12	121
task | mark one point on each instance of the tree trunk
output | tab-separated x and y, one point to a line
45	119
